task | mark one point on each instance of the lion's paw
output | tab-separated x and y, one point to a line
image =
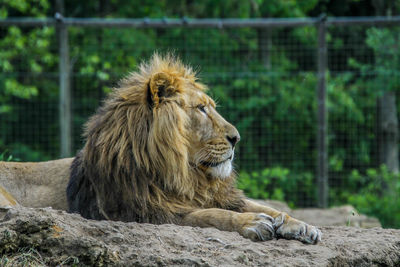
295	229
260	228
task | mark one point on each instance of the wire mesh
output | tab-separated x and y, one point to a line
264	82
363	67
28	93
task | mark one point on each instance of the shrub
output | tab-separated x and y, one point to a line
6	156
297	189
376	193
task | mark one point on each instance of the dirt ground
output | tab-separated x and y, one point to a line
57	237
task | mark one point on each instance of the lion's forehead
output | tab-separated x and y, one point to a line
197	97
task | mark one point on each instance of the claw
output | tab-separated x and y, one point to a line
270	228
265	216
279	221
314	235
319	236
297	230
259	235
257	232
260	228
302	230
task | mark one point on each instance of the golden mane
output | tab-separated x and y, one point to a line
130	145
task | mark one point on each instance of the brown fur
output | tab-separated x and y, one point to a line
34	184
157	151
138	149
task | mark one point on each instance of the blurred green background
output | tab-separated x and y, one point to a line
264	81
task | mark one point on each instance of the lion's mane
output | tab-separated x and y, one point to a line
134	165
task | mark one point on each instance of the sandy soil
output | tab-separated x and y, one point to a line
65	238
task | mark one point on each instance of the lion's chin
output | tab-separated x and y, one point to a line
222	171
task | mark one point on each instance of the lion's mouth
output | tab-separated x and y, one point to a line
215	164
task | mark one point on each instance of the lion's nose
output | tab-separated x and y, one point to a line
233	139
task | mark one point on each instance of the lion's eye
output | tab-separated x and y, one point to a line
202	108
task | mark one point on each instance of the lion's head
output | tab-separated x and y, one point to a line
157	135
186	129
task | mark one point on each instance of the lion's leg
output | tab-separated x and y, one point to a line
286	226
6	199
256	226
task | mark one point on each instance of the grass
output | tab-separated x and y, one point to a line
5	156
24	257
30	257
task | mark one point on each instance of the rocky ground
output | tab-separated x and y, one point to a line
50	237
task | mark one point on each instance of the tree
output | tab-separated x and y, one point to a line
387	56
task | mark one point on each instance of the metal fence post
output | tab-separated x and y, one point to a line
64	80
322	117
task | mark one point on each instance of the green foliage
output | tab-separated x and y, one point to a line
279	184
387	57
30	48
384	74
376	193
6	156
26	57
349	107
353	97
22	151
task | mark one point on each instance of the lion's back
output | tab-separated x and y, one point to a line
79	198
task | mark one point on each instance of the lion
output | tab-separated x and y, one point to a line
35	184
157	151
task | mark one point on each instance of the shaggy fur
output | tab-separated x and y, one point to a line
139	163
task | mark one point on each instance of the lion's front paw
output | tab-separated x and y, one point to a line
259	228
294	229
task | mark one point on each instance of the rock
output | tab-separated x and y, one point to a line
345	215
337	216
56	237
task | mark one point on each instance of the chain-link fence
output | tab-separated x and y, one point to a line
264	74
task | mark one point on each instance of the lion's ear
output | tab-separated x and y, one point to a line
161	86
